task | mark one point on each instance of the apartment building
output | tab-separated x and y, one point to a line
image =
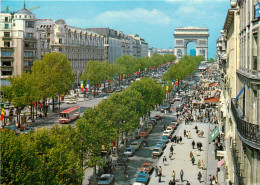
19	43
240	97
79	45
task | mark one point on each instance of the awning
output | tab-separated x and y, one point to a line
214	134
239	93
221	162
212	100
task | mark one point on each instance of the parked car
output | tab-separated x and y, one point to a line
173	125
147	167
170	129
174	119
143	178
148	129
136	144
143	134
70	100
138	183
167	133
162	143
129	151
106	179
165	139
157	151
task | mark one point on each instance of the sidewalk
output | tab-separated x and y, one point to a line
181	157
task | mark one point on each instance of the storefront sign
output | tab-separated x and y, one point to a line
214	134
220	153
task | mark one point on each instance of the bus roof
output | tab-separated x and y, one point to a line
69	109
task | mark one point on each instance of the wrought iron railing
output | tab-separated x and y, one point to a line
237	163
249	131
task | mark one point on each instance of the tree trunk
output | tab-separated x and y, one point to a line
36	109
59	101
53	109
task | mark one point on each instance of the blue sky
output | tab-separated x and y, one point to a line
153	20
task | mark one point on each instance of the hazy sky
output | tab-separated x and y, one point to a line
152	20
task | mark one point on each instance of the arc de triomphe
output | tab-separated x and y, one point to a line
184	35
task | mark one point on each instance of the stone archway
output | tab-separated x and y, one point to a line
184	35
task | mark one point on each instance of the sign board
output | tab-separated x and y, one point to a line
220	153
214	134
257	10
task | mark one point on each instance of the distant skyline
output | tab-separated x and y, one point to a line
152	20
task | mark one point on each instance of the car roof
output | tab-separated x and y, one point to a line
106	175
157	147
141	173
144	163
129	147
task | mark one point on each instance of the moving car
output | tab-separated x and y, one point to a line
136	144
143	178
164	107
180	107
121	160
157	151
177	98
106	179
129	151
147	167
118	89
138	183
148	129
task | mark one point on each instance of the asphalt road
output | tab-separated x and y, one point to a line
144	153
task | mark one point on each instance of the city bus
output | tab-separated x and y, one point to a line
69	115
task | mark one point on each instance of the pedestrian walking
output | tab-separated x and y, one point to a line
177	138
202	164
156	171
199	176
193	160
181	175
171	149
173	176
171	182
160	169
193	144
187	183
210	179
191	155
164	160
199	163
159	176
180	139
184	133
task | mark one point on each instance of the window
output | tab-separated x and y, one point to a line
6	19
29	35
6	34
60	49
5	63
6	44
60	41
6	26
25	16
7	53
29	45
179	42
6	73
29	54
29	24
20	16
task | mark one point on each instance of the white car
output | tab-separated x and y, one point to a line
170	129
167	133
70	100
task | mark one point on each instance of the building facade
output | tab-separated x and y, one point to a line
79	45
240	97
19	43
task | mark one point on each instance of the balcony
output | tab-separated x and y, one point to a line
7	48
249	133
250	74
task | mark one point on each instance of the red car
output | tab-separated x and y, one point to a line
147	167
143	134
